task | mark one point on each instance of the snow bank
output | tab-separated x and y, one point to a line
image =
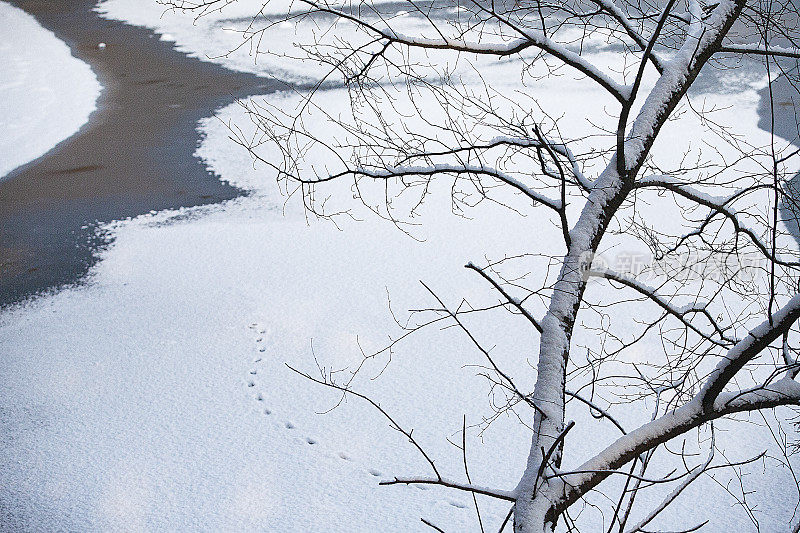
217	34
220	34
158	397
47	94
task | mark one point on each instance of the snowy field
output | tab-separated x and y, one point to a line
158	398
47	94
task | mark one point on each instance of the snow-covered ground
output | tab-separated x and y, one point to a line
215	34
158	396
47	94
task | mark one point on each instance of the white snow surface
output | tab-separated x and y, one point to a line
155	426
216	34
144	400
157	397
47	94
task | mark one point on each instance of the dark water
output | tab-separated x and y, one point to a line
134	155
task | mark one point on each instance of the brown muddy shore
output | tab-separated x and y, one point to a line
136	153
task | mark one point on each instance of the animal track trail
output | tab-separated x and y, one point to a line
258	368
252	373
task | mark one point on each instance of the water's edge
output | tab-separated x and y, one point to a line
784	108
135	154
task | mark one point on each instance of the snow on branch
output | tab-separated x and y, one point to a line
679	73
718	206
614	10
771	51
681	313
745	350
542	141
510	299
442	168
469	487
529	39
710	403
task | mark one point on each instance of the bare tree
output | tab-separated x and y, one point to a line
727	340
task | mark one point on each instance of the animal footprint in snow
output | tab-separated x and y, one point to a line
261	335
374	472
254	370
